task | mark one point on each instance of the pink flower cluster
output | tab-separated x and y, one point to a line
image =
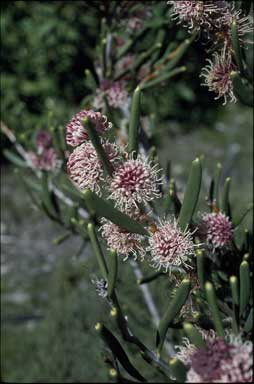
134	182
86	169
217	77
222	361
115	93
45	158
216	19
217	229
76	133
124	242
170	247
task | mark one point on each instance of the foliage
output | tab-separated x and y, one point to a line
117	198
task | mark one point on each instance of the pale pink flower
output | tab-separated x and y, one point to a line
124	242
115	93
217	76
170	247
214	17
224	27
135	181
198	14
86	169
76	132
217	229
44	161
222	361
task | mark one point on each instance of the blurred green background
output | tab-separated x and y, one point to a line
48	304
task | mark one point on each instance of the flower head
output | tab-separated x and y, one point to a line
115	92
135	181
124	242
216	228
217	75
222	361
86	169
224	22
170	247
44	161
76	133
197	14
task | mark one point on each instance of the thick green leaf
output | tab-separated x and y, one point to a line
60	239
113	268
97	250
191	195
148	279
14	158
173	309
194	335
235	302
48	197
145	56
217	177
200	268
225	203
242	89
242	215
106	209
234	289
95	139
118	351
180	51
249	322
178	370
244	285
213	306
236	46
163	77
172	201
90	81
134	121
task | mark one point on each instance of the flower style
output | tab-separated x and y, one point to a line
76	133
217	77
135	181
170	247
217	229
86	169
226	361
124	242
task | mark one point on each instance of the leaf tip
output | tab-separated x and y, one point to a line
98	326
